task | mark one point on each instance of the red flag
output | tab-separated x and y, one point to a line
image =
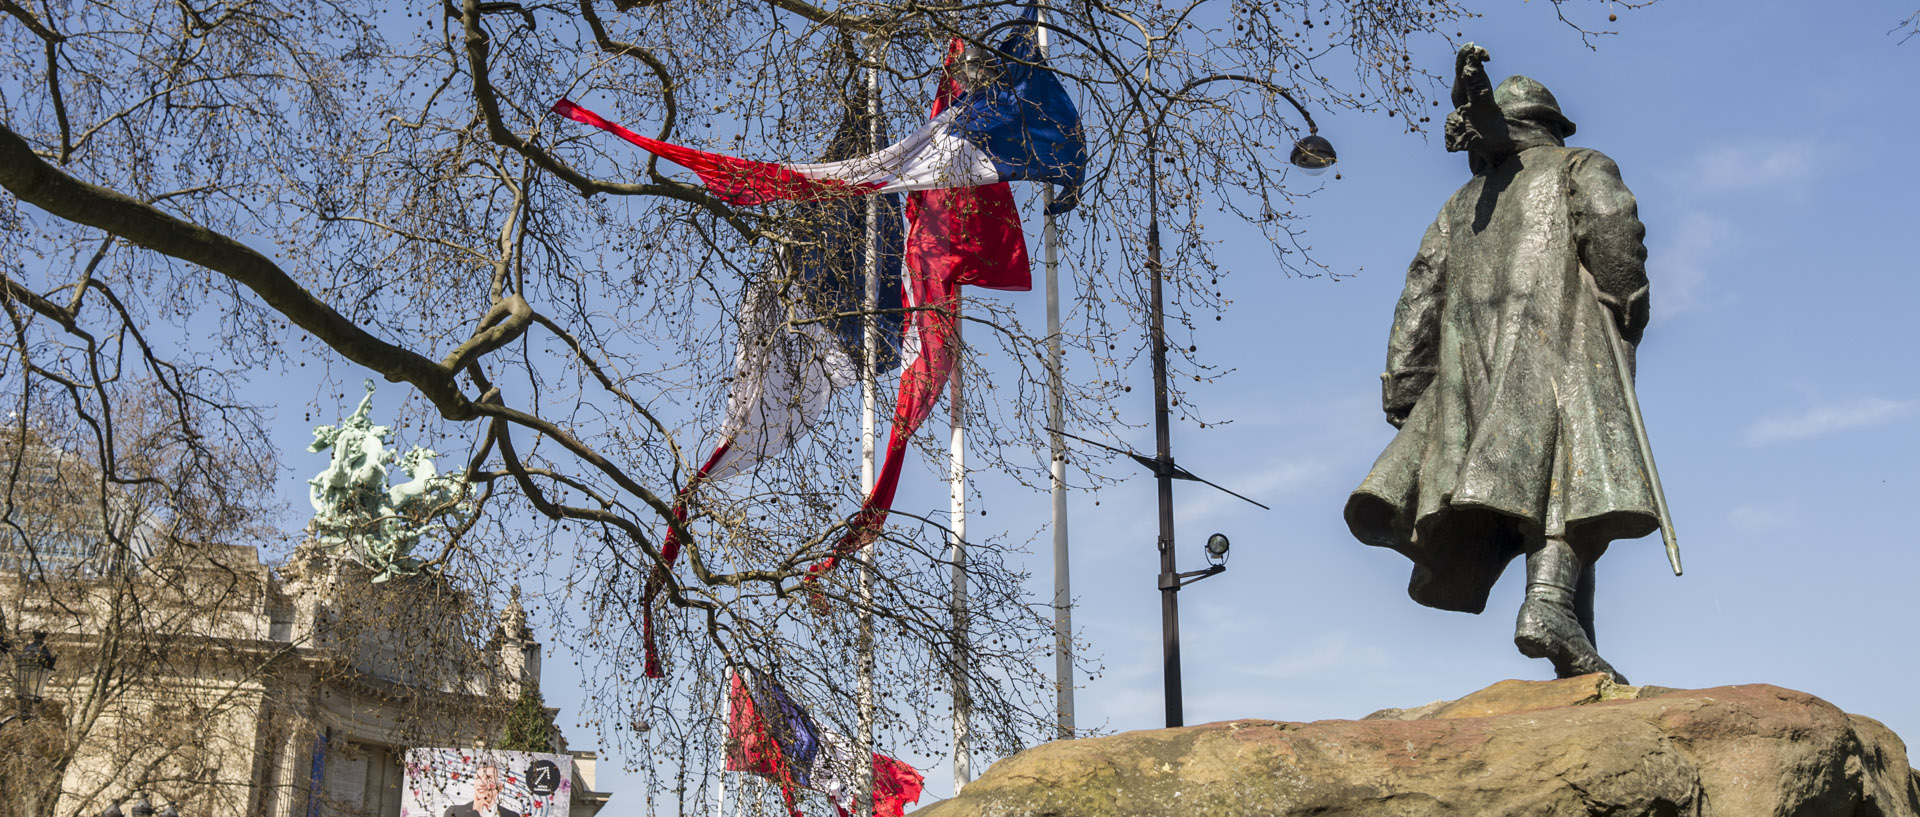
895	784
966	235
1023	127
750	743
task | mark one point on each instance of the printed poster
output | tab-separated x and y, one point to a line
486	783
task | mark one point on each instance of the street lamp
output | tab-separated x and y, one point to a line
1216	550
140	808
1312	154
1217	546
30	670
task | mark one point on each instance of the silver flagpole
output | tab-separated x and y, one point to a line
869	399
1056	421
720	786
957	542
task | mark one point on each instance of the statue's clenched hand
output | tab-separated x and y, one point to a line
1476	122
1470	81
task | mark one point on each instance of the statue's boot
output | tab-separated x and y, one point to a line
1548	626
1583	602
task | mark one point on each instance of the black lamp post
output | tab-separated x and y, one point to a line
30	670
32	667
1313	154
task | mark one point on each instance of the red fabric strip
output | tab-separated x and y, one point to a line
895	784
737	181
669	552
970	236
920	387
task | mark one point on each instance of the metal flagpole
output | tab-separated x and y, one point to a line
957	543
1057	446
726	720
869	399
720	788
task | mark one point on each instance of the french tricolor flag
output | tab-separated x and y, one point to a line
1019	126
800	340
965	230
957	236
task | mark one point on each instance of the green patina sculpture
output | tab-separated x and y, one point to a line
356	513
1515	430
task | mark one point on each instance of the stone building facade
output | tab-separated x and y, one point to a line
224	688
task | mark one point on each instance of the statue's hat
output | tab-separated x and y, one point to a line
1525	98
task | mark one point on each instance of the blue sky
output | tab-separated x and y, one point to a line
1769	145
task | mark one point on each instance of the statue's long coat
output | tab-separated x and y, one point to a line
1515	418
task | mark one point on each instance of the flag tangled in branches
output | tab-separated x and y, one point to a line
768	734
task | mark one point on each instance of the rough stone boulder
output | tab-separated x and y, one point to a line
1579	746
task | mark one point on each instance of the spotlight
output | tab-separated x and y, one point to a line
1217	546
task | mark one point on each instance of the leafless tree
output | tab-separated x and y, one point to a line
129	556
199	191
132	535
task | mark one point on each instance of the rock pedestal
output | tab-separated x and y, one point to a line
1578	746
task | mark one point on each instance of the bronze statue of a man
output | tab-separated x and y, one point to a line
1515	433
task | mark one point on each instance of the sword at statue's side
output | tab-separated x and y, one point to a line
1625	371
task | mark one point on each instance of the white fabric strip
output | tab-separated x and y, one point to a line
935	156
910	327
833	770
783	375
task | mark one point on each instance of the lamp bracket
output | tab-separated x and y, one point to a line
1175	581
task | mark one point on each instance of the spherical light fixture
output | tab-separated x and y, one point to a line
1313	154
